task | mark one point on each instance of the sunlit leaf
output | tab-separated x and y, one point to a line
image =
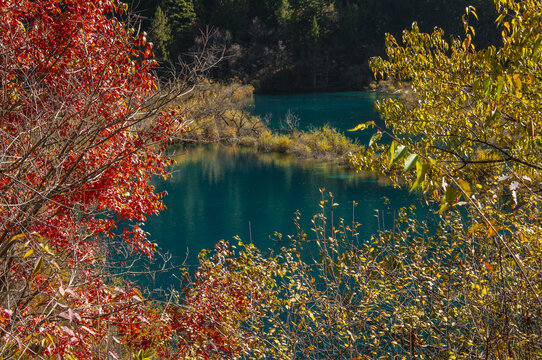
16	237
491	230
363	126
138	293
398	152
28	253
516	78
410	162
475	228
465	186
421	170
376	136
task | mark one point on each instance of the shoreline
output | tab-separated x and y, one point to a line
216	115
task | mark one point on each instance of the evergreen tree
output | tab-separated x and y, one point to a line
161	34
283	12
181	17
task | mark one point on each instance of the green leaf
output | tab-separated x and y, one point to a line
399	152
487	86
377	136
410	162
475	85
421	170
392	151
449	198
451	195
363	126
37	266
465	186
443	207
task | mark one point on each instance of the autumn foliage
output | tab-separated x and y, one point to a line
80	138
83	131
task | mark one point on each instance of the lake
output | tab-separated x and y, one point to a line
219	192
341	110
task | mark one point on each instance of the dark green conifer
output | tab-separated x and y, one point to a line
160	35
181	18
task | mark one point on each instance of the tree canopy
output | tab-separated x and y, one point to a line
77	150
467	137
305	45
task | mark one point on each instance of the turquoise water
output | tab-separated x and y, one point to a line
342	110
220	192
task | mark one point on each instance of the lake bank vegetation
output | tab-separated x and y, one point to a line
216	113
80	141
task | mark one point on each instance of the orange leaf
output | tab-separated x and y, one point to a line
491	230
489	267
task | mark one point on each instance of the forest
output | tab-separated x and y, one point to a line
299	45
86	125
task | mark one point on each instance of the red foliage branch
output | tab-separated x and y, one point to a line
221	311
80	138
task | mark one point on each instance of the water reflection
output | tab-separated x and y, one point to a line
219	192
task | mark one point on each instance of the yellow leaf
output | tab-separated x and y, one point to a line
17	237
465	186
474	228
520	263
37	267
28	253
50	338
363	126
138	293
516	78
491	230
